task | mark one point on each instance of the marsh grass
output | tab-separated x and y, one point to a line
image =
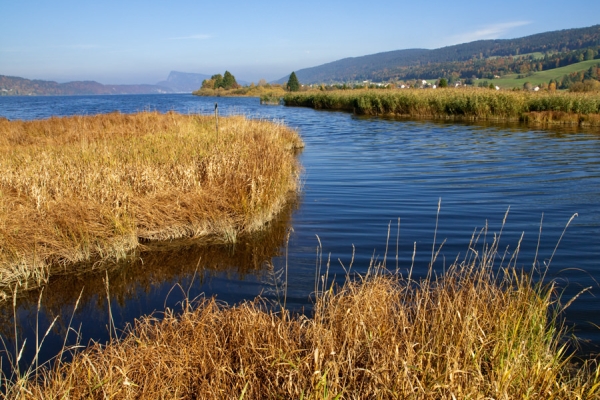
245	91
465	103
84	188
481	330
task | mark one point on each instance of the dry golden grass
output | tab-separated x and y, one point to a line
91	188
471	333
153	264
245	91
461	104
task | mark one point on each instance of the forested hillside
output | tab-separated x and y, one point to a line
479	59
15	86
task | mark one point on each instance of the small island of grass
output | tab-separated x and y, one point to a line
88	188
226	86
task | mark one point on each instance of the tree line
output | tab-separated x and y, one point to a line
226	81
487	68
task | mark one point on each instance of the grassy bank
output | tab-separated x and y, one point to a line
93	188
470	333
466	103
245	91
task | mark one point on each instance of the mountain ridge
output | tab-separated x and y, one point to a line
397	62
184	82
177	82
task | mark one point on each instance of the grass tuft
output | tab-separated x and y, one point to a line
87	188
477	331
460	104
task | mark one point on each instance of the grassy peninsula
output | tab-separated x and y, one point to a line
92	188
460	103
243	91
475	332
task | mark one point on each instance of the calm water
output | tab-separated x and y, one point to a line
361	175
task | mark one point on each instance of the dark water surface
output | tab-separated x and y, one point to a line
361	175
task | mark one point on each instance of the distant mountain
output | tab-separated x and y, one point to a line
183	82
186	82
177	82
11	85
425	63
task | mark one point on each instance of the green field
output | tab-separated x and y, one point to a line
510	81
537	56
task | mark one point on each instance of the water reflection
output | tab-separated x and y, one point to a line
160	275
360	174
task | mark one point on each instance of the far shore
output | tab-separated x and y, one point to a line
245	91
548	107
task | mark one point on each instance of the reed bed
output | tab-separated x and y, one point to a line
466	103
94	188
245	91
475	332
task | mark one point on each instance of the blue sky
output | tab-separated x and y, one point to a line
142	41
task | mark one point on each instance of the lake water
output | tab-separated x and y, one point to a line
361	176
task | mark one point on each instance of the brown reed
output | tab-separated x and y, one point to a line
546	107
475	332
245	91
87	188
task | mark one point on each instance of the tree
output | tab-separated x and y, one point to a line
208	84
443	83
228	81
589	54
218	79
293	85
585	86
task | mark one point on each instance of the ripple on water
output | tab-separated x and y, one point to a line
361	175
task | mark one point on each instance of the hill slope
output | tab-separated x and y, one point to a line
16	86
538	78
425	63
184	82
177	82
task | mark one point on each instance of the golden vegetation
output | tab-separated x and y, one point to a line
245	91
91	188
471	333
154	265
466	103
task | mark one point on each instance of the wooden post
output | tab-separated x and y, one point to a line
217	118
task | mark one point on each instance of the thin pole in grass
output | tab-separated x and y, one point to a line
217	118
287	245
437	216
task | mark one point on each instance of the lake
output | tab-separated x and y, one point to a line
362	177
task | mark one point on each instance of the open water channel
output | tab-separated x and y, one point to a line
362	176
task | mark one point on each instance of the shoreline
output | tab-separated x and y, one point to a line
466	104
246	91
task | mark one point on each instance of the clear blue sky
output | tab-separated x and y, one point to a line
142	41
